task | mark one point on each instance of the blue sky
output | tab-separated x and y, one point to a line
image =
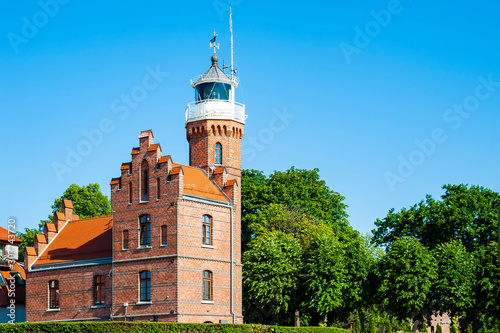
389	99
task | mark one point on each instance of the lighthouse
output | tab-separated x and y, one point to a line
215	121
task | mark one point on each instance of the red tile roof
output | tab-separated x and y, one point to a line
60	216
219	170
68	203
164	159
30	250
135	151
197	183
125	166
154	147
41	238
51	227
146	133
80	240
175	171
4	236
230	183
114	181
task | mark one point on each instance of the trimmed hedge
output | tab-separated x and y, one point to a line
148	327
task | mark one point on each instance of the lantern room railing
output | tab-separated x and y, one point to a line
215	109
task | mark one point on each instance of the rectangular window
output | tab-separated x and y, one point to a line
145	230
207	230
207	286
163	235
158	188
99	289
120	183
130	192
145	283
125	239
54	294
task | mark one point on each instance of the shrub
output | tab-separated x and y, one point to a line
150	327
439	329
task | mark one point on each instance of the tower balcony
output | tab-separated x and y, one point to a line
215	109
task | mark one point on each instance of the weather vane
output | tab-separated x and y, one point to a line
212	42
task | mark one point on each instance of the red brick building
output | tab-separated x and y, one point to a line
171	249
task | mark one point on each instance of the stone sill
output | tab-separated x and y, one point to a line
206	246
207	302
53	310
144	303
98	306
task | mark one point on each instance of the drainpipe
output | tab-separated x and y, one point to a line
232	266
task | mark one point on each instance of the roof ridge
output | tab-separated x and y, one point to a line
91	218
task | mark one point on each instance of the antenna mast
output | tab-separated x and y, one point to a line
232	45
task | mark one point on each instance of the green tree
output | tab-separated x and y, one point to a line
453	290
27	238
439	329
372	327
424	327
324	273
453	328
297	197
270	275
88	201
466	213
299	189
406	274
357	326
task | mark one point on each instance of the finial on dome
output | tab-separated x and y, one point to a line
215	59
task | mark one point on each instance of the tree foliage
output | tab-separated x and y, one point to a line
406	274
300	189
461	231
465	213
88	201
297	202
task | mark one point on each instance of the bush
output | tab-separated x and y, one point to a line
453	329
388	326
372	328
357	326
424	327
149	327
439	329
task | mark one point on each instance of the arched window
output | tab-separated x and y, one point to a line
207	230
54	294
218	153
99	289
144	181
145	285
207	286
145	229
